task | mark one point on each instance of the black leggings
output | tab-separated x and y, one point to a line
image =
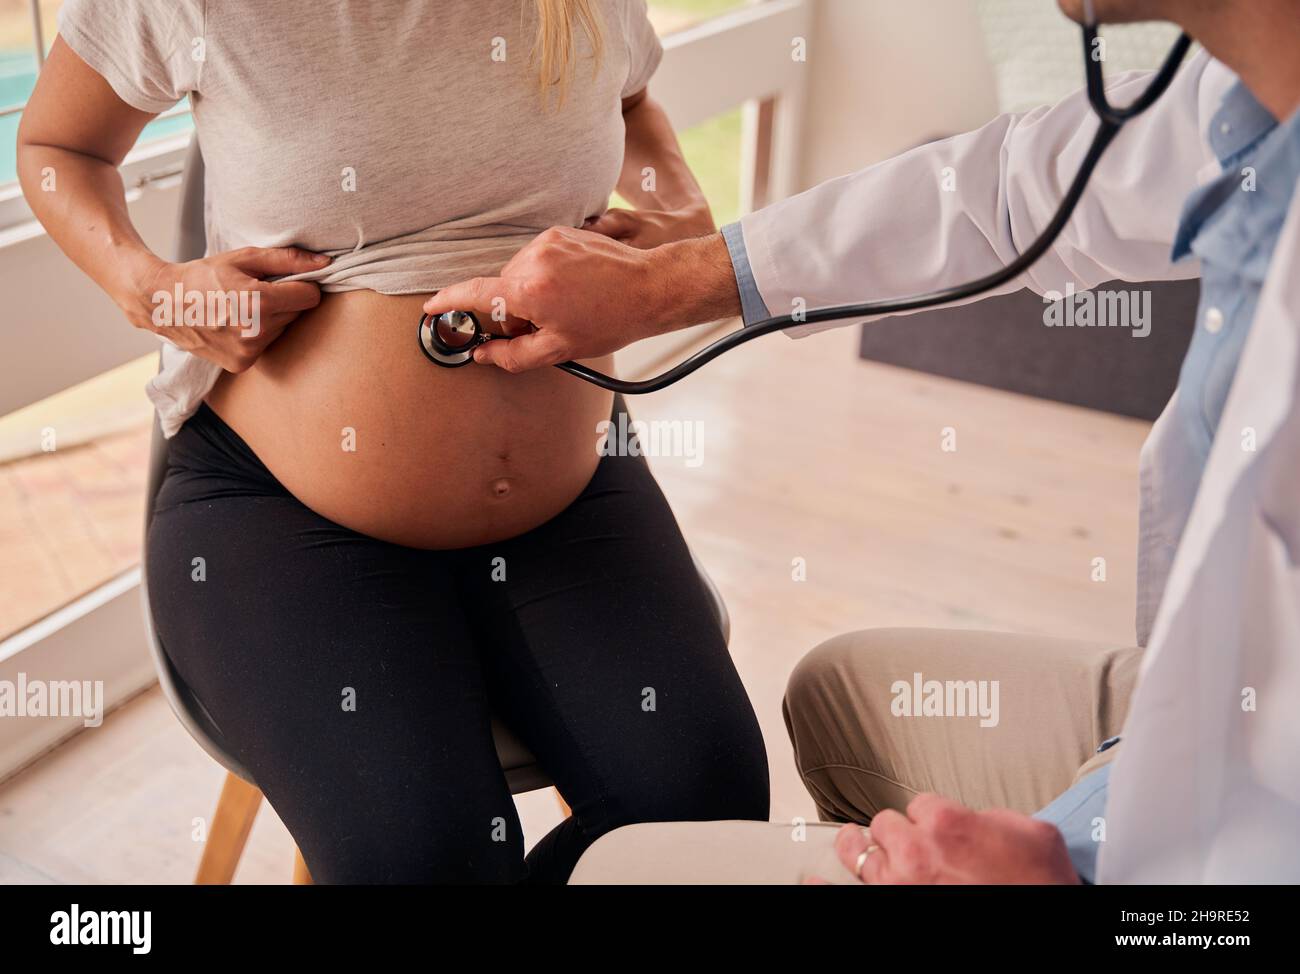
355	678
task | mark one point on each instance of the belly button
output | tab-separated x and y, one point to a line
500	488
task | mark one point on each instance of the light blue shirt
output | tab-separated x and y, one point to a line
752	305
1232	225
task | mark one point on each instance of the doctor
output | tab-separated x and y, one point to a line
1188	771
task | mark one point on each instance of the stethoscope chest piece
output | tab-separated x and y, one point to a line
449	339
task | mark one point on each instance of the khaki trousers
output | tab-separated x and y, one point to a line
1002	720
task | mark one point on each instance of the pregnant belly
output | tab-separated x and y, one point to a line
358	425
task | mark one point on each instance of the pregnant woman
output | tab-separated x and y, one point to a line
356	556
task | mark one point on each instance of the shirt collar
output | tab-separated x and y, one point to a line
1240	122
1236	129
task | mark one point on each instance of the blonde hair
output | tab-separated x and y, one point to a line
555	49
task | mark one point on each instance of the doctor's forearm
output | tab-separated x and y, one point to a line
694	281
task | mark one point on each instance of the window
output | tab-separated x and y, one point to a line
72	465
27	29
712	148
674	15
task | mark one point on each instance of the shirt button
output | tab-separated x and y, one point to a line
1225	128
1213	321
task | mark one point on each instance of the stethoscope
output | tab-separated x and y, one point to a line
449	339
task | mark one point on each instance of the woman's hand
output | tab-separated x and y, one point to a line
647	229
667	203
77	125
220	308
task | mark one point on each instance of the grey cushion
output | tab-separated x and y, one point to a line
1002	342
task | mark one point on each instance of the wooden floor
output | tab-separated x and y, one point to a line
69	521
72	475
808	454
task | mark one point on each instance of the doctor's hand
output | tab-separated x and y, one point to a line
573	294
941	842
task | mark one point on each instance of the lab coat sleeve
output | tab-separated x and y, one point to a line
955	210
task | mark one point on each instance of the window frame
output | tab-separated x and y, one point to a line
136	169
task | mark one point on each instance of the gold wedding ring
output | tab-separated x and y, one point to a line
863	856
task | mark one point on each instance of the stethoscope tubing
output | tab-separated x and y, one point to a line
918	302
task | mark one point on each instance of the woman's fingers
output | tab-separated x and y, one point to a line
239	313
614	223
277	261
289	296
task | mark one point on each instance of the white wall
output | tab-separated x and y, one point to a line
1038	52
884	75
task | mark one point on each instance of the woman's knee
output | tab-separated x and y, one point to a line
743	798
715	778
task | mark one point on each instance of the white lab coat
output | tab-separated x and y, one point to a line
1202	790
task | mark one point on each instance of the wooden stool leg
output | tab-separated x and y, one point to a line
301	875
565	810
228	832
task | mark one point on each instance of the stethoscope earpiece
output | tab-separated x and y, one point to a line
449	339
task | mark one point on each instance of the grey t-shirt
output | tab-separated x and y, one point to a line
405	138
